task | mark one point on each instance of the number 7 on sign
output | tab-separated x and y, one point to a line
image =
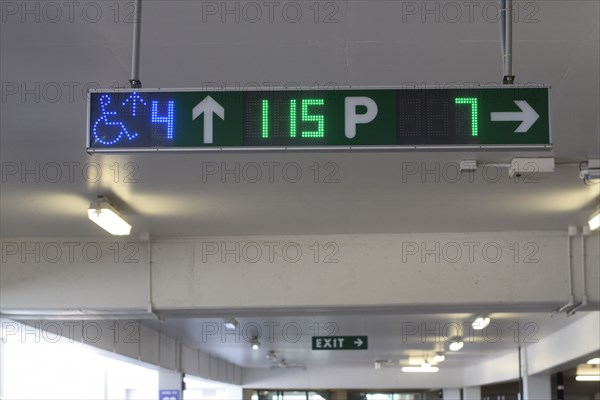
474	118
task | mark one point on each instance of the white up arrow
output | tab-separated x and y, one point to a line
358	342
527	116
208	107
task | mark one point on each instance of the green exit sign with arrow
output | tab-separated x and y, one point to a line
368	119
340	342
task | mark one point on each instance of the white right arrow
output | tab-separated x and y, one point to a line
208	107
527	116
358	342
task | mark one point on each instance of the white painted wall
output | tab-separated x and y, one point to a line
499	369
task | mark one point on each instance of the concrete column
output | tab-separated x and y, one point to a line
170	385
451	394
472	393
2	368
537	387
339	395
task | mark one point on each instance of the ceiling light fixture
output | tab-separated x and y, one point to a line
379	364
587	372
456	345
108	218
481	322
420	368
255	343
594	361
230	324
591	173
594	222
587	378
439	357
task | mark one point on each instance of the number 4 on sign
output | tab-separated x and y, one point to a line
208	107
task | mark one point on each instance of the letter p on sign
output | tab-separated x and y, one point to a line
352	116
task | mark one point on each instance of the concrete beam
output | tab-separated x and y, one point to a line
512	271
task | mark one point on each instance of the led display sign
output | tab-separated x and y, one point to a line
154	120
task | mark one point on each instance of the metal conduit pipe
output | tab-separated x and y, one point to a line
571	303
502	26
509	77
583	301
583	271
150	306
506	40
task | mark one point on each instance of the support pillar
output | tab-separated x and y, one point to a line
537	387
170	385
472	393
451	394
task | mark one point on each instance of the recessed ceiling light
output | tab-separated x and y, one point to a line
438	358
587	378
413	368
456	345
594	361
255	343
230	324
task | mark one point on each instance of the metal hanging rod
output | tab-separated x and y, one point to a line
134	81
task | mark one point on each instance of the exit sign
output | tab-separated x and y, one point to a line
369	119
340	342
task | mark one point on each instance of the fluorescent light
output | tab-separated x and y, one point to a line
480	323
594	361
109	219
587	370
587	378
594	221
438	358
456	345
420	369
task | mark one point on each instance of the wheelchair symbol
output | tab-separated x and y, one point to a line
116	128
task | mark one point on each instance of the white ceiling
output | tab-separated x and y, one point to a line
369	45
391	337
